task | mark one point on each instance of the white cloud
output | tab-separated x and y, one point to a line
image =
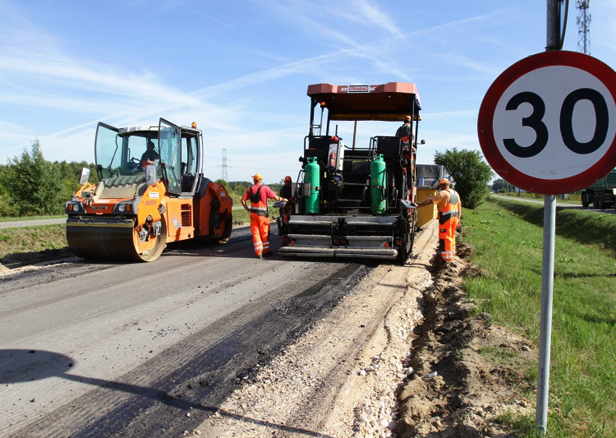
53	69
365	13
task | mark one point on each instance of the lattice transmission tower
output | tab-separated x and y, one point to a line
583	22
225	175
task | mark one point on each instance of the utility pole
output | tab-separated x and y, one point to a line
583	22
224	166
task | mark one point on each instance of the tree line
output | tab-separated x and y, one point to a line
33	186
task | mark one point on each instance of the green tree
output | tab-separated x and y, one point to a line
499	185
470	174
33	185
7	208
70	174
240	189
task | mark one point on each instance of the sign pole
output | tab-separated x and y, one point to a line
547	292
547	275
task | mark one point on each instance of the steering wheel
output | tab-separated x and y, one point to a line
136	163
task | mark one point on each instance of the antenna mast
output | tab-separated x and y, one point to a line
583	22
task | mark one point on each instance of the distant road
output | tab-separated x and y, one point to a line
33	223
559	203
39	222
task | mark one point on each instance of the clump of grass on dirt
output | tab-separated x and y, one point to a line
508	240
31	239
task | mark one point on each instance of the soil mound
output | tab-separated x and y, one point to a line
468	371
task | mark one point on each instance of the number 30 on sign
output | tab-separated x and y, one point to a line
548	123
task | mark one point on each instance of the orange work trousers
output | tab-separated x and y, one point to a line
260	226
447	238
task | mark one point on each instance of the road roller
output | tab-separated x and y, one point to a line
356	200
151	192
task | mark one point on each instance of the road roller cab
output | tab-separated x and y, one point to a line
146	196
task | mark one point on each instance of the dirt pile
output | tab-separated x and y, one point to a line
467	372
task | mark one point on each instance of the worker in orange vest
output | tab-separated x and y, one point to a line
449	213
259	214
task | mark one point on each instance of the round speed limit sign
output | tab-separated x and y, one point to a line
548	123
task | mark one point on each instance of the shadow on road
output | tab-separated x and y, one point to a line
28	365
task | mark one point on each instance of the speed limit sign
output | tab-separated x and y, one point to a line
548	123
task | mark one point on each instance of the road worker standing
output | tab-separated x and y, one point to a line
405	132
286	191
259	214
449	213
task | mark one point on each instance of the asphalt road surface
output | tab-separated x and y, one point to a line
105	349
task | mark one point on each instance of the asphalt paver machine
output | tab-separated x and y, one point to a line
355	200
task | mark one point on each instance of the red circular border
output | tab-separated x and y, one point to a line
488	107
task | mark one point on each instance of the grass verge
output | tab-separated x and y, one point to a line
508	238
18	244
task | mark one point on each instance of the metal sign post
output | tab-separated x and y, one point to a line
547	273
545	327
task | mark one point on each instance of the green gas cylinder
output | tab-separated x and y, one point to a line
312	176
377	185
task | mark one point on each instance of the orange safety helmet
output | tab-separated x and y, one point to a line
444	181
288	178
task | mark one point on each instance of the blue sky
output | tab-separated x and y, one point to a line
240	69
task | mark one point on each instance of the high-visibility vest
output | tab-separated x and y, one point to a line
451	209
256	204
